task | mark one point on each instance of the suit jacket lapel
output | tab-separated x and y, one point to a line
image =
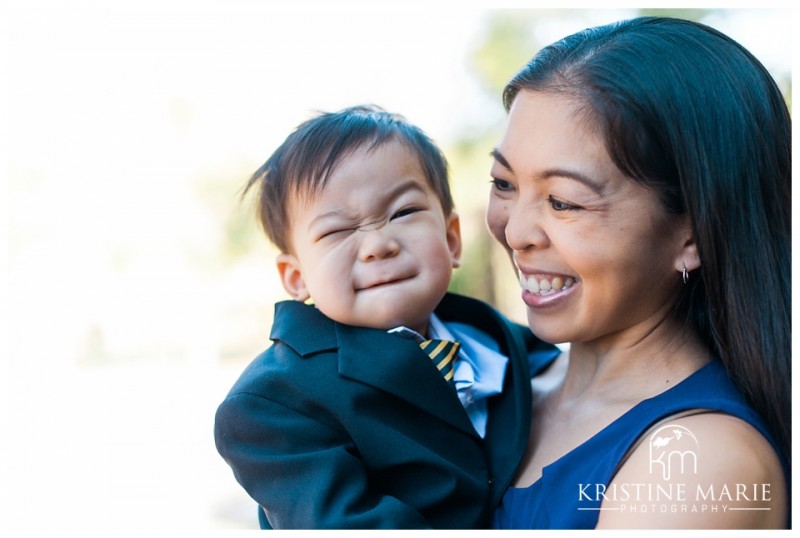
303	328
509	425
399	367
509	412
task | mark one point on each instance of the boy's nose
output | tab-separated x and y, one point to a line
377	245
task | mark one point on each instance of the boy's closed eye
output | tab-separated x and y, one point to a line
334	229
331	233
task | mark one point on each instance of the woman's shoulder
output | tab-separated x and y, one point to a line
704	470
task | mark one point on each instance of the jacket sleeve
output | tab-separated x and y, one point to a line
304	473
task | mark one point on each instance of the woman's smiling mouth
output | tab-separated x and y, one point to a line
545	284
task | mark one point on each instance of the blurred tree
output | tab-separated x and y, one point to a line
220	193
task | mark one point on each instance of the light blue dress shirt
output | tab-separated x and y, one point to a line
480	367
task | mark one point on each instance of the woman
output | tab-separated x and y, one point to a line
643	188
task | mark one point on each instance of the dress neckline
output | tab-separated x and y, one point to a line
613	424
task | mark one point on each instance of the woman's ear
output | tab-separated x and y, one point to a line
292	277
453	234
688	256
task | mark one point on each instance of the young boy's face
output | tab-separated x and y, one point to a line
374	248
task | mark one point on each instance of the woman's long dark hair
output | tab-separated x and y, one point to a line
693	115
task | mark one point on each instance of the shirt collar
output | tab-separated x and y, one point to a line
480	367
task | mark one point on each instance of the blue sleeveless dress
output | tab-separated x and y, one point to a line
556	500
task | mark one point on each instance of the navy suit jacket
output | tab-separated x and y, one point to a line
336	426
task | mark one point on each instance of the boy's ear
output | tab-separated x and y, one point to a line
453	231
292	277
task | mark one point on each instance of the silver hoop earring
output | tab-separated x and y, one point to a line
685	274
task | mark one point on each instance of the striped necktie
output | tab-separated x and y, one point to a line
443	354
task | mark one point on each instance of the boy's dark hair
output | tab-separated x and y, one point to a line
305	160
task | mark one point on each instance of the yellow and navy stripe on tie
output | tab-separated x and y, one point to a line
443	354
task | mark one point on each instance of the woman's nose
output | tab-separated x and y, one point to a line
377	244
524	227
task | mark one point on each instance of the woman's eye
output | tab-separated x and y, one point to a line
558	205
502	185
404	212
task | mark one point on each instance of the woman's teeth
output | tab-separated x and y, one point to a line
545	286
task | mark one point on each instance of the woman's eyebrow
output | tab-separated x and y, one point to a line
559	172
593	185
500	159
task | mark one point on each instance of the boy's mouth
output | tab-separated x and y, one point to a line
382	282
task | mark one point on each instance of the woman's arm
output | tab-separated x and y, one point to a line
707	470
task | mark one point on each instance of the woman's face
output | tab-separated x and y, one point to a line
597	255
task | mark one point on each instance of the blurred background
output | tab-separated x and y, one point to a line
139	284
